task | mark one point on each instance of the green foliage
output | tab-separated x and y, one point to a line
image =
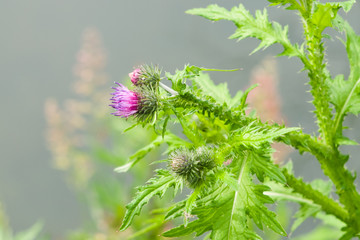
345	94
239	197
230	196
219	93
156	186
223	210
249	26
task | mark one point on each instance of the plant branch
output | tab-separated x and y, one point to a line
327	204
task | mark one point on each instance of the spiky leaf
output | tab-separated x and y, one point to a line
248	26
155	186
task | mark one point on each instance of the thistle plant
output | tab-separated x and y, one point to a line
224	154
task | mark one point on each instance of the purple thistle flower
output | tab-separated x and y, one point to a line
134	76
125	102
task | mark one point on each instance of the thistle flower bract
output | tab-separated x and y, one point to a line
192	165
125	102
145	75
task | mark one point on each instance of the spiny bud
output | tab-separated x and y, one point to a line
145	75
148	104
205	157
134	75
192	165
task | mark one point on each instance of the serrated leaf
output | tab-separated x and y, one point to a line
345	95
225	212
190	132
248	26
219	92
346	5
264	167
212	12
176	210
307	207
322	186
254	136
323	16
155	186
280	192
236	100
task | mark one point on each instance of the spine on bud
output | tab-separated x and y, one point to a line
192	165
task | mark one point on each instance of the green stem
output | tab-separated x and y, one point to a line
333	165
318	76
328	205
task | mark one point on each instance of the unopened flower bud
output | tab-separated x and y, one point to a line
192	165
134	76
145	75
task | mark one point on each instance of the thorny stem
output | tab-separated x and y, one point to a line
328	205
332	161
318	75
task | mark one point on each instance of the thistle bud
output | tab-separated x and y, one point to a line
135	76
145	75
192	165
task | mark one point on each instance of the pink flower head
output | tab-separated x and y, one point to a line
125	102
134	76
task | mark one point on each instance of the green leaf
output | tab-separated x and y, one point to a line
345	95
176	210
307	207
191	132
155	186
219	92
225	212
254	136
264	167
212	12
248	26
236	100
155	223
140	154
346	5
345	141
281	192
245	95
179	78
323	16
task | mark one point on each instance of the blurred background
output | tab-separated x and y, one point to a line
58	62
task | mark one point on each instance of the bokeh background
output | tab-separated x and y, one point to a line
40	46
